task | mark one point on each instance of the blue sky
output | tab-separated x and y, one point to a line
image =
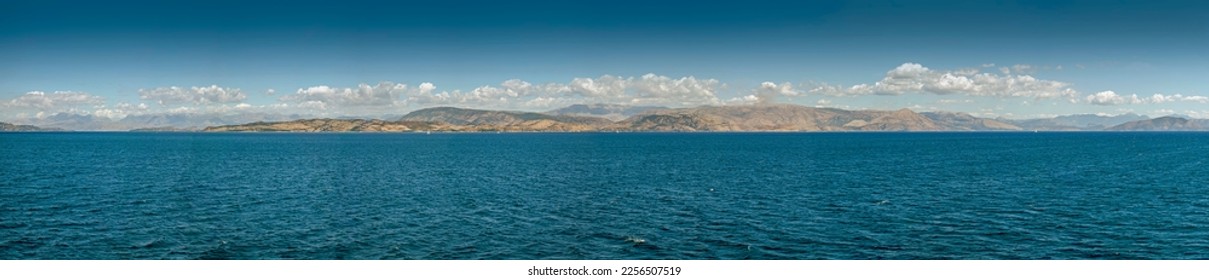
992	58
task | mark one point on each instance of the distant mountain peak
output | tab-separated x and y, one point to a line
18	127
1165	123
613	112
1078	121
462	116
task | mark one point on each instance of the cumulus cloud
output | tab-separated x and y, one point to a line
53	101
915	78
770	88
649	89
604	87
426	94
483	95
508	94
1159	98
40	104
121	110
427	88
746	100
767	92
1109	97
210	110
1204	114
383	94
212	94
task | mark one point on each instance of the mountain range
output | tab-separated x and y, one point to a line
612	112
780	117
1164	124
611	117
1076	122
14	127
151	122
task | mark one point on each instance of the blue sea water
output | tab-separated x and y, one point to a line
604	196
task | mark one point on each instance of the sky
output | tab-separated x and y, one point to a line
1013	59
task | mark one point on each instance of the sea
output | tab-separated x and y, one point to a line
863	196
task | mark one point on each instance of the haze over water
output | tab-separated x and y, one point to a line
594	195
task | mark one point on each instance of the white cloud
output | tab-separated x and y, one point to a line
121	110
649	89
483	95
425	94
746	100
219	109
384	94
196	95
57	101
966	71
605	87
109	113
1197	114
40	104
426	88
770	88
517	85
141	106
1109	97
364	99
956	101
312	105
1159	98
506	95
544	102
685	90
915	78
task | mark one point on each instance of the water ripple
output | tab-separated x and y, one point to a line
603	196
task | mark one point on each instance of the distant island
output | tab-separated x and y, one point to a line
780	117
1164	124
13	127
